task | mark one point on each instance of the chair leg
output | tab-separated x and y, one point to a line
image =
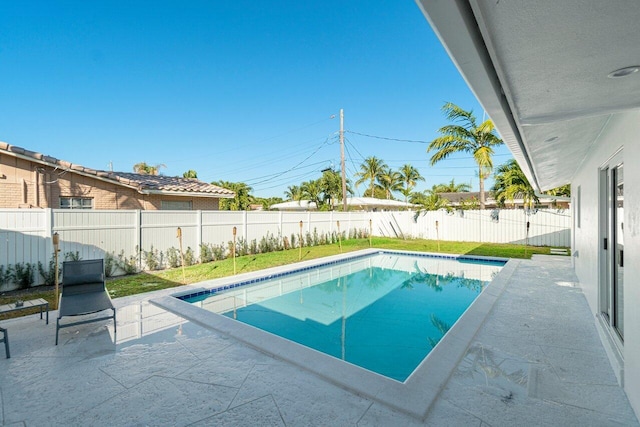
5	338
57	329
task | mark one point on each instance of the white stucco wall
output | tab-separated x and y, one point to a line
622	131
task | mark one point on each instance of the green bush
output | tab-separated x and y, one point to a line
49	275
151	258
23	275
189	257
173	257
127	264
6	274
110	264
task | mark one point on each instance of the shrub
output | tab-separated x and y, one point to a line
206	253
110	264
23	275
49	276
189	257
173	257
72	256
6	274
128	264
218	252
253	247
151	258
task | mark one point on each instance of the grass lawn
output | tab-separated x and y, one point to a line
151	281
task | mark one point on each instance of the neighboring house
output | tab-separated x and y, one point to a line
561	82
33	180
544	202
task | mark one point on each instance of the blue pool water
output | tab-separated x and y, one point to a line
384	312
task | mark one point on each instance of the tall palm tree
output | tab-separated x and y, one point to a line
465	135
370	170
146	169
390	181
410	177
511	183
452	187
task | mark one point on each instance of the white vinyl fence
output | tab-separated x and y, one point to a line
26	234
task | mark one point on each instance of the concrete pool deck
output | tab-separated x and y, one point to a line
536	360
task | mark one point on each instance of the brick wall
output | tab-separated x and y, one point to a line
43	186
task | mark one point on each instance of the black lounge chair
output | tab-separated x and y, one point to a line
83	292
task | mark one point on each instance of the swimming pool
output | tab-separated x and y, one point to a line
383	312
412	396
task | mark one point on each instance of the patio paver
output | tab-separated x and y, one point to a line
536	360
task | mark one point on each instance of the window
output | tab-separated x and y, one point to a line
76	203
174	205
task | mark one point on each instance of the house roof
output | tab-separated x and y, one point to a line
541	69
295	205
144	184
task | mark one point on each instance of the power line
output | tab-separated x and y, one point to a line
388	139
294	167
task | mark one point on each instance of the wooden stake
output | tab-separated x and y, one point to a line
184	278
300	243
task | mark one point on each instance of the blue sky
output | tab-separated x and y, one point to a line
236	90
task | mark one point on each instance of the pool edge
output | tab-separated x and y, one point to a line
415	396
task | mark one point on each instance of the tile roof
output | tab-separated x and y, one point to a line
143	183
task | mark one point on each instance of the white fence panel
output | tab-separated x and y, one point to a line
25	234
217	226
159	229
92	233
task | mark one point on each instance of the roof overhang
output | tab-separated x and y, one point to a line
540	70
186	194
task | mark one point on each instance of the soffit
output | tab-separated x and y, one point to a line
551	60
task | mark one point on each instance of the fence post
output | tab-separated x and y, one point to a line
137	241
245	226
198	233
47	234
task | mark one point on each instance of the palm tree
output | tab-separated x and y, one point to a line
429	200
242	199
370	170
511	183
190	174
452	187
293	193
390	181
410	177
146	169
465	135
312	190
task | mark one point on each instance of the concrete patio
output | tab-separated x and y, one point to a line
536	360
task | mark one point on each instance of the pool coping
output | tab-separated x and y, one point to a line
414	396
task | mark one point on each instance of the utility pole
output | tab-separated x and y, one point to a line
344	177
